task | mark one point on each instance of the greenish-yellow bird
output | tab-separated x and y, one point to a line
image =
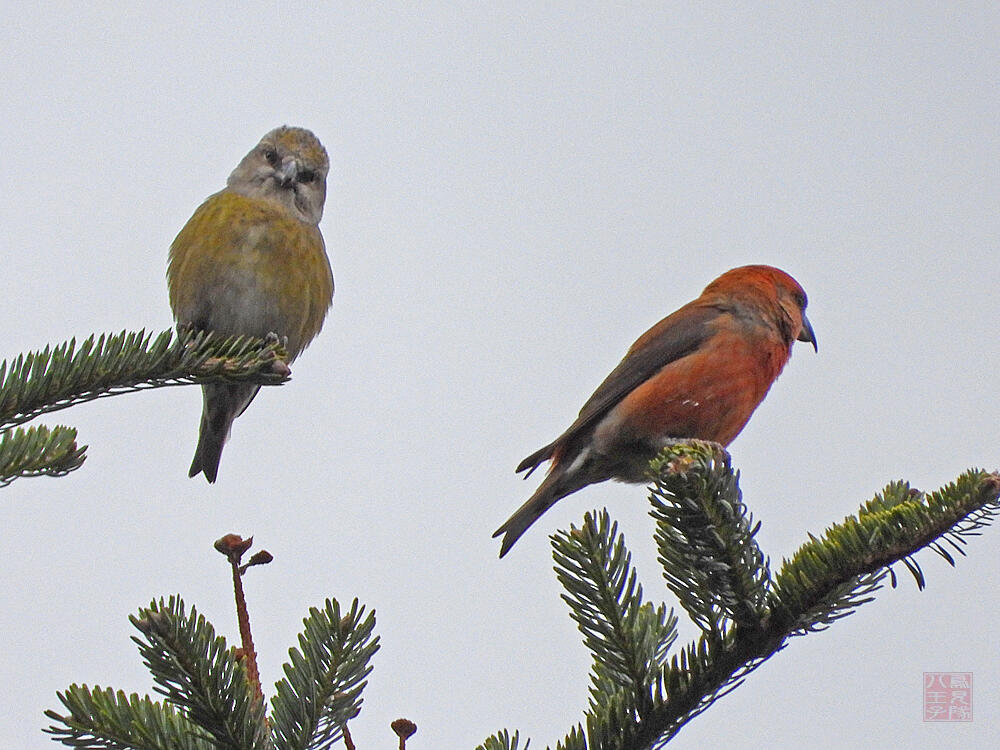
251	261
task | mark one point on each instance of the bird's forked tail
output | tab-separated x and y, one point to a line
223	403
559	483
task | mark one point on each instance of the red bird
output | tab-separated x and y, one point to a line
698	373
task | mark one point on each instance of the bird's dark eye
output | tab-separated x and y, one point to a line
307	176
800	299
271	155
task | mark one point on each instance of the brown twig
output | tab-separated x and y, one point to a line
233	546
348	742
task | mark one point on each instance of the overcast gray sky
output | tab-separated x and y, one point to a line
516	193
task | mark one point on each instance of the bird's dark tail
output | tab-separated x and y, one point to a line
557	485
223	403
209	451
535	460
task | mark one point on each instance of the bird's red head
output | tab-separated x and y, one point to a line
769	289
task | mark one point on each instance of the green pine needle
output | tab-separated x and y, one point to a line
208	701
39	451
197	672
101	719
640	698
502	741
629	639
705	536
58	377
324	678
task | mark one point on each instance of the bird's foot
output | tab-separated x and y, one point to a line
678	455
272	338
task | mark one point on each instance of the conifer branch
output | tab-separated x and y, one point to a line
39	451
705	536
891	528
58	377
211	699
628	639
711	561
197	672
501	741
324	678
101	719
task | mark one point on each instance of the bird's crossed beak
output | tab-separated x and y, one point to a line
287	173
807	333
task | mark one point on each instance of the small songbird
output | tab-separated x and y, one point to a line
251	261
698	373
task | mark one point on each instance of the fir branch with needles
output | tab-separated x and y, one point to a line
38	451
109	365
210	698
705	536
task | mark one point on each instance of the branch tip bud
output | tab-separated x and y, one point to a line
233	546
404	728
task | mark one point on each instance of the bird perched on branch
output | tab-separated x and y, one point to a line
698	373
251	261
